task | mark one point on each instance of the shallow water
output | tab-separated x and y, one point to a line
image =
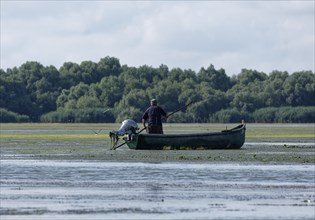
46	189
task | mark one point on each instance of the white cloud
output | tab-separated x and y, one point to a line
230	35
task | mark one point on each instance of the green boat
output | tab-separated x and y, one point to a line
227	139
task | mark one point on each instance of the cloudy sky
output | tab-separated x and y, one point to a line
260	35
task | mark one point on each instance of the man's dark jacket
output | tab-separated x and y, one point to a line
153	115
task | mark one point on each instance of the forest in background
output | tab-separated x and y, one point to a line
107	92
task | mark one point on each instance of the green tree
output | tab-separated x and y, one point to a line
249	96
109	91
273	93
82	93
217	80
89	72
40	87
135	98
131	80
70	74
69	98
179	75
167	93
299	89
129	113
14	97
250	76
108	66
47	89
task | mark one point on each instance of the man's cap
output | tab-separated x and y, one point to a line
153	101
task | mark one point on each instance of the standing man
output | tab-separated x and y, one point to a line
153	114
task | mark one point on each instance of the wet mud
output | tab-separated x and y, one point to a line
251	152
71	173
265	143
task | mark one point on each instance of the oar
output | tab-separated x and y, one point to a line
125	142
118	146
178	109
141	130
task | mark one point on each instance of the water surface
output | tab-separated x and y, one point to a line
52	189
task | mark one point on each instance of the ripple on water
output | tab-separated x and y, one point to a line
115	190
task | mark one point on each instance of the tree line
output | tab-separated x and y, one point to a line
107	91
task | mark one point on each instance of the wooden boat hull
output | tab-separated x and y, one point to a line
228	139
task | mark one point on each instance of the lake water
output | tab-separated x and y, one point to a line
46	189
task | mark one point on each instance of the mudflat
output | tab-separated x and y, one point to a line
67	171
265	143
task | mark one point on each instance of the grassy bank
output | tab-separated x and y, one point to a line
80	142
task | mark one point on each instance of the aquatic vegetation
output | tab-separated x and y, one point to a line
79	142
